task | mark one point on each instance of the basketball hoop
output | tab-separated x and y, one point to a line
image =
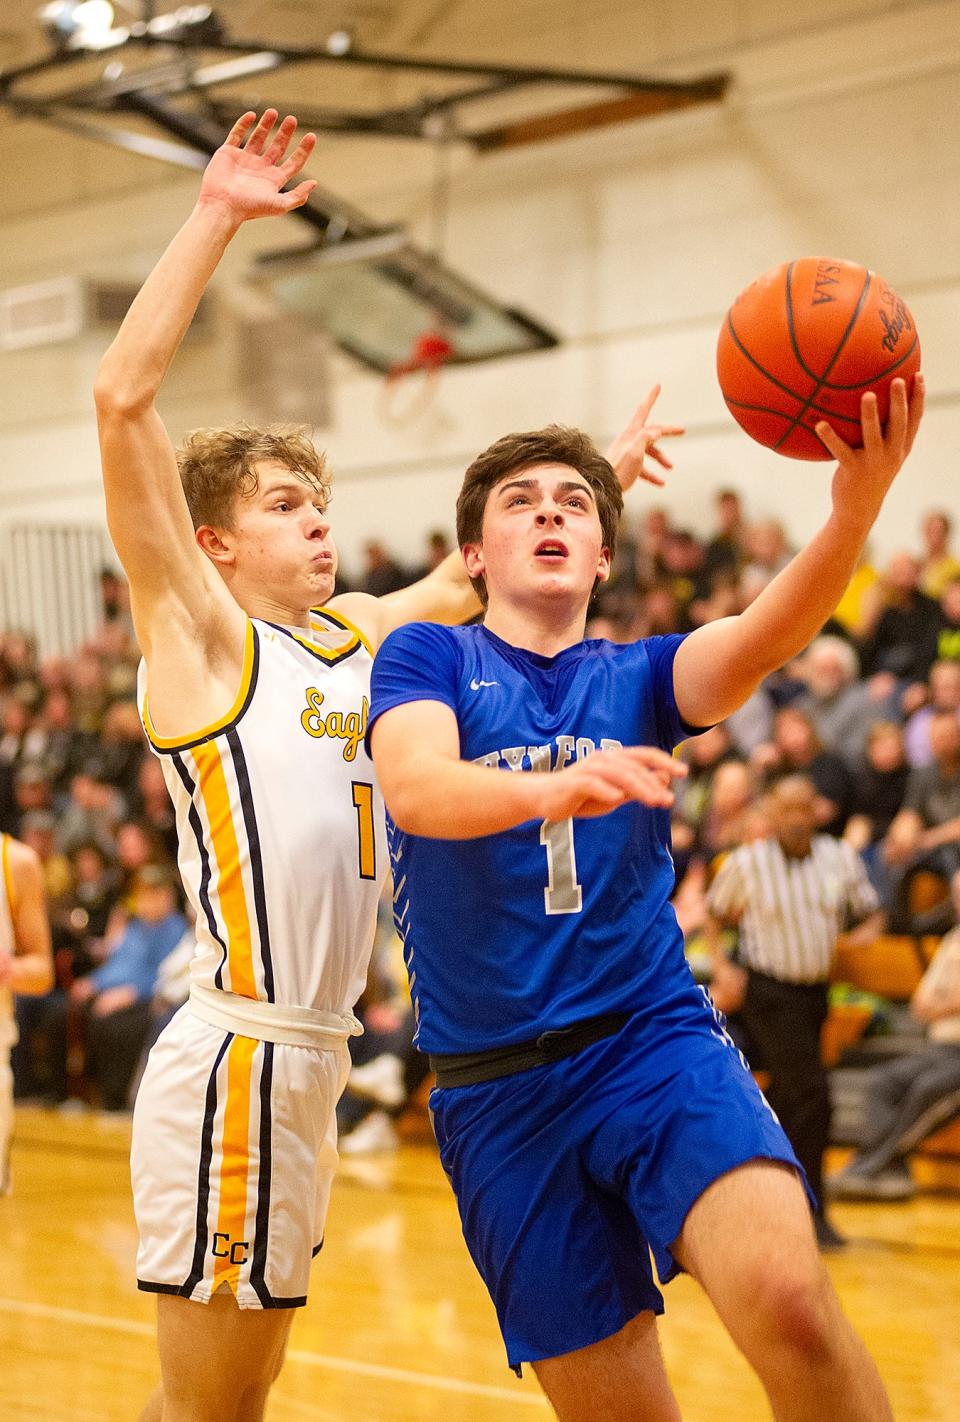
411	384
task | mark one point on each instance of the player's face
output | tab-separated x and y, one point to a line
541	537
281	538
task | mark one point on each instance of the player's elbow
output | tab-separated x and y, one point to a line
117	396
406	809
406	794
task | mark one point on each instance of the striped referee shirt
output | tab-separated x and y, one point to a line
791	910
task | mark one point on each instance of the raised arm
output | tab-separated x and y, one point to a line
430	791
722	663
445	595
174	589
29	969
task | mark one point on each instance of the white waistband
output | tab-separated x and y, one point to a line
272	1021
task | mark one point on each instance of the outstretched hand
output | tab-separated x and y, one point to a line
861	482
248	177
607	779
638	442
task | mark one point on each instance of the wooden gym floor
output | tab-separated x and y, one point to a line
399	1328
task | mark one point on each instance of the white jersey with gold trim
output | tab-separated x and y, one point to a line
281	822
8	944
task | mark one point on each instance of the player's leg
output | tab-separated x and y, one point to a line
749	1241
217	1361
619	1379
252	1239
565	1264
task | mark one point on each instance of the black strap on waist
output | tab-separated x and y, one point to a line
469	1068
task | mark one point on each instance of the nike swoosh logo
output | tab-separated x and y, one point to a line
476	685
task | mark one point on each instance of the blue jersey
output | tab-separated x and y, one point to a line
542	925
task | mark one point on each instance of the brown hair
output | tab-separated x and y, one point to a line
556	444
217	467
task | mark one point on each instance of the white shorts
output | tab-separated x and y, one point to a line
233	1156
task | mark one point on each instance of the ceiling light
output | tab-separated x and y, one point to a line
72	23
339	43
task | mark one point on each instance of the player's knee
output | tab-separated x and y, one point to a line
793	1306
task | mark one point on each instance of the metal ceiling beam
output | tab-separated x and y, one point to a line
191	29
195	32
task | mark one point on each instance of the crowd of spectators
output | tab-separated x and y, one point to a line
870	713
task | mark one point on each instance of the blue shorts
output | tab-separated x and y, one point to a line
567	1176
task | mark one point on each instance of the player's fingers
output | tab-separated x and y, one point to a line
915	415
299	156
870	424
897	418
297	196
258	138
242	126
645	406
597	791
652	758
831	441
650	790
649	477
281	140
628	775
617	784
660	457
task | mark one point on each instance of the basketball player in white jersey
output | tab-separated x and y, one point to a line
254	693
26	964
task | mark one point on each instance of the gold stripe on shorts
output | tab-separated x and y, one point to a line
231	1246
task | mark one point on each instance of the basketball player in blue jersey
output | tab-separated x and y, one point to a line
589	1107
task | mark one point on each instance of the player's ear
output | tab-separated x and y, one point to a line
212	542
603	565
473	559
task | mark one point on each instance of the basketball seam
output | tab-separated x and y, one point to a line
766	374
821	379
832	384
880	374
782	414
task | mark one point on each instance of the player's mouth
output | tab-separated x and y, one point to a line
551	550
323	559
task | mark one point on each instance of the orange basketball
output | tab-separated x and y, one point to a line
803	342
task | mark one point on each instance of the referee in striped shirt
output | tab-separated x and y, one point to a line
790	895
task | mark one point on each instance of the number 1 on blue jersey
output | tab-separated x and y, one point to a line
563	894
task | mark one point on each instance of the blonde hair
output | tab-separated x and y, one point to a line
217	467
